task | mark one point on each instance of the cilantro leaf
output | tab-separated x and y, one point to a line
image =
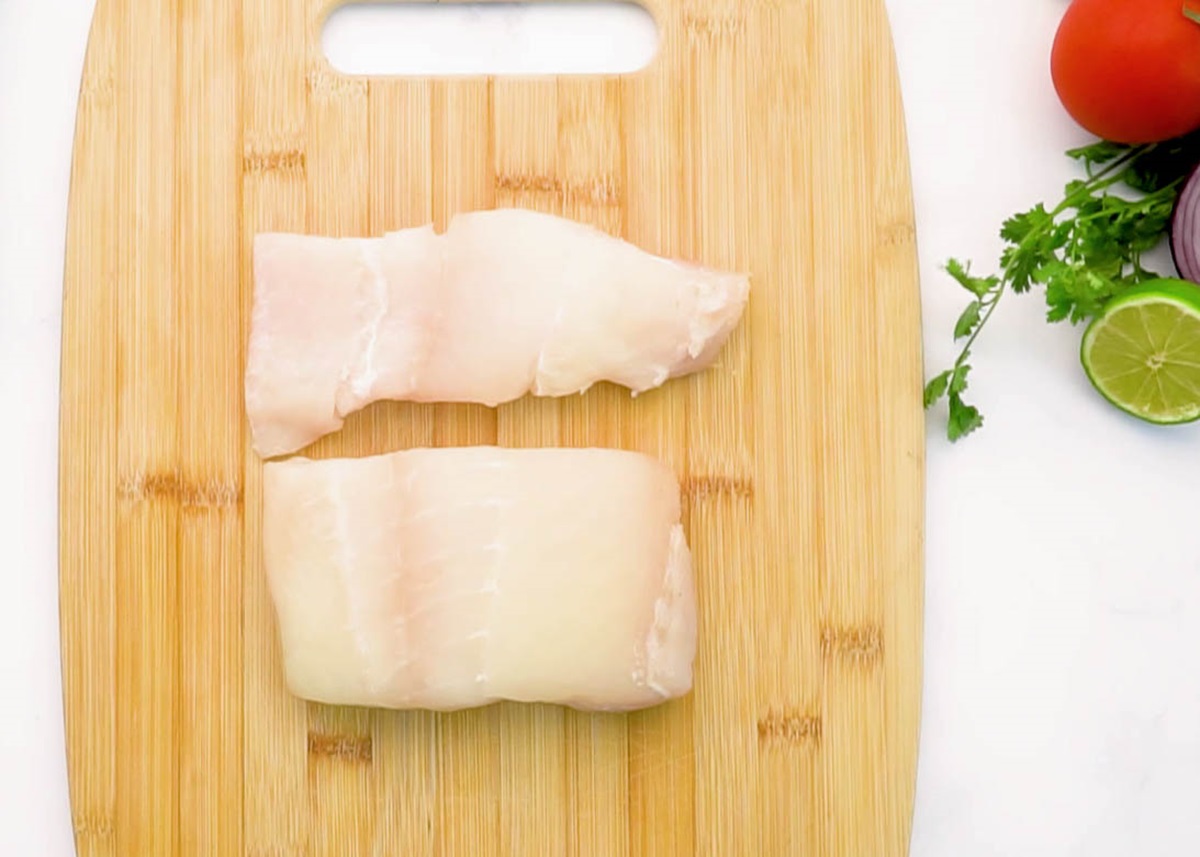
1020	226
978	286
1162	165
958	381
1098	153
969	320
936	388
964	419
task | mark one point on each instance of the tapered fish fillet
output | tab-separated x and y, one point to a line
503	304
452	578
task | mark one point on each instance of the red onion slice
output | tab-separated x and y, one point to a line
1185	229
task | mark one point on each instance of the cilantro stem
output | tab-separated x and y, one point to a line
1122	161
1166	193
990	302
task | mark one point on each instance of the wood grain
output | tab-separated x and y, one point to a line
766	136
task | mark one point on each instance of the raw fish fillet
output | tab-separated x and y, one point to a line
445	579
503	304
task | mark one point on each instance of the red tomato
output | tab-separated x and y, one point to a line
1128	71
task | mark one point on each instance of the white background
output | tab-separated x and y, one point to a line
1062	697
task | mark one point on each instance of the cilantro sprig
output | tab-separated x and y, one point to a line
1083	252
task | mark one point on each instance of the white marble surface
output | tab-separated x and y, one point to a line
1062	698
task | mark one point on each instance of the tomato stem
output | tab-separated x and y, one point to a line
1191	10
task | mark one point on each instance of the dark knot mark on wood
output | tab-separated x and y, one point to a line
171	487
703	487
349	748
286	161
704	26
277	851
600	191
861	644
326	83
897	235
789	726
93	826
98	89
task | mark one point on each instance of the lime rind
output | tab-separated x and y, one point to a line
1142	353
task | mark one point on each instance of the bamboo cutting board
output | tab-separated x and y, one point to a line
767	136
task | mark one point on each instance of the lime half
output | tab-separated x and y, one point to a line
1143	352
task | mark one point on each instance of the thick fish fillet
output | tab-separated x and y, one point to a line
503	304
452	578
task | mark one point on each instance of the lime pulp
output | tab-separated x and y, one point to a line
1142	353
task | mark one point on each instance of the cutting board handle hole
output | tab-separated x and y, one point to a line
433	39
